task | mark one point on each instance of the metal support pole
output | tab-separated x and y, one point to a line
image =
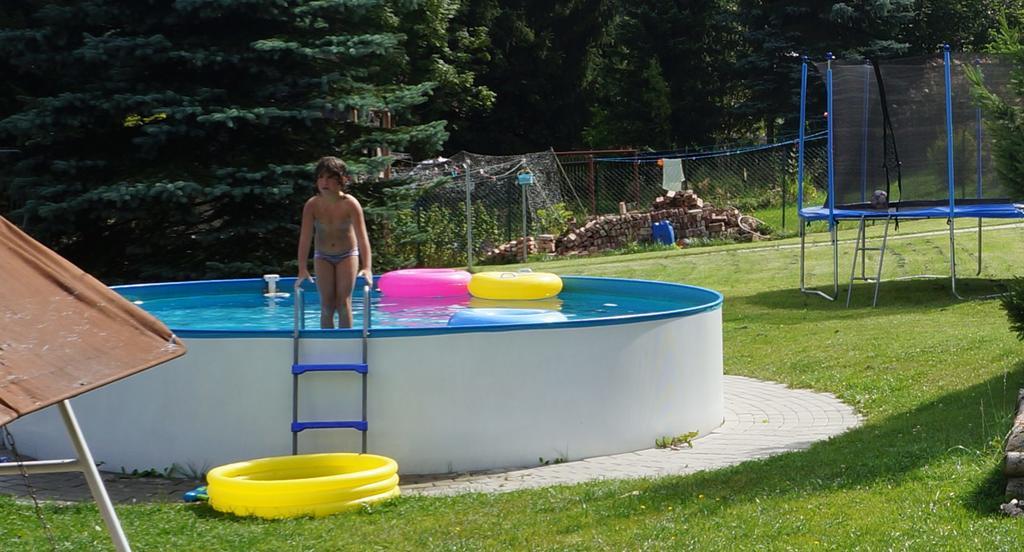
92	477
40	466
831	143
863	250
864	132
636	182
783	168
835	266
802	140
950	176
469	217
951	180
526	249
803	234
978	171
366	344
835	258
297	326
419	230
832	222
592	185
978	273
83	463
509	189
800	199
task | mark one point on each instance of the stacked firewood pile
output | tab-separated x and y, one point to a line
513	251
691	218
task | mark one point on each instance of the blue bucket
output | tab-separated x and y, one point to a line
662	232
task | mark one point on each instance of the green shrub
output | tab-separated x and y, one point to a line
437	236
1013	304
554	219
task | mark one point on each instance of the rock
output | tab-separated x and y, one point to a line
1012	508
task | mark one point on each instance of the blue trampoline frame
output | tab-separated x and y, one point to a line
950	210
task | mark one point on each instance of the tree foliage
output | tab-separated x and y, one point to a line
169	139
174	139
967	25
534	55
1004	114
663	76
779	34
442	53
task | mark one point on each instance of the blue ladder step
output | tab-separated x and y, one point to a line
353	367
354	424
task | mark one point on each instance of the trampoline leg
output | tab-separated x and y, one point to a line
803	253
952	257
835	279
952	265
835	258
863	252
979	248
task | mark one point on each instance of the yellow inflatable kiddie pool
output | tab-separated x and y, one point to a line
515	285
302	485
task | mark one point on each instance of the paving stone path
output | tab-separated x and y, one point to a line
761	419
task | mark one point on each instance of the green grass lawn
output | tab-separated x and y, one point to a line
935	378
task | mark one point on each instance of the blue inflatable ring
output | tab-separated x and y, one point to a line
496	317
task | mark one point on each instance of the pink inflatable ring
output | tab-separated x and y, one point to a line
424	282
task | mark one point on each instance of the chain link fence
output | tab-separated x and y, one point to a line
486	192
472	203
754	178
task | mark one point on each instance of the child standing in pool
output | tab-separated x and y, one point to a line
333	220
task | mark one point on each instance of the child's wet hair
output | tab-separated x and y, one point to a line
331	166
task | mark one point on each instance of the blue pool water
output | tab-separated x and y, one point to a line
240	306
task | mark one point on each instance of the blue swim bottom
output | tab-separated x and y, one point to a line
335	258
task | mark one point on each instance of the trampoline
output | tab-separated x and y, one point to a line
905	141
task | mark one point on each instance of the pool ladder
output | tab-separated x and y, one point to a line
299	369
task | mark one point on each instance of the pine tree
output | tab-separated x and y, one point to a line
443	52
173	139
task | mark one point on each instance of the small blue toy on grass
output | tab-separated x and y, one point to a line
196	495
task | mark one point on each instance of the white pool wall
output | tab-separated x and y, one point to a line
438	401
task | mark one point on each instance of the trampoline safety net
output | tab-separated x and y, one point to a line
890	132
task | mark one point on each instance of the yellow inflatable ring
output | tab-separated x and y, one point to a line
303	485
515	285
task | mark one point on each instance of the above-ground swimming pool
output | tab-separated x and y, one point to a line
631	362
